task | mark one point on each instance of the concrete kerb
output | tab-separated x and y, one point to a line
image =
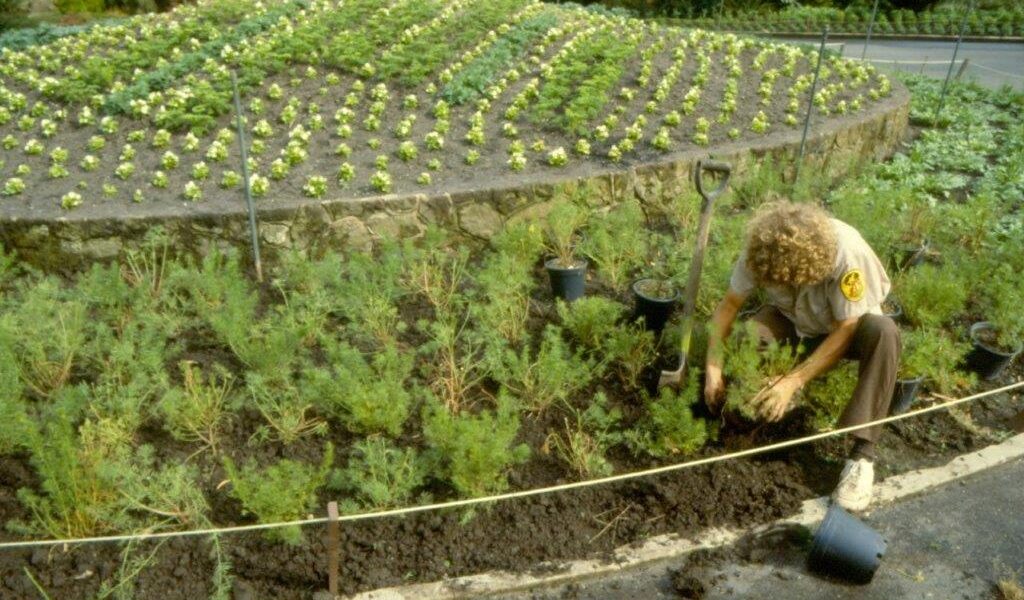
673	547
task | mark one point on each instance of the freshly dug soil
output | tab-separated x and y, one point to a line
533	533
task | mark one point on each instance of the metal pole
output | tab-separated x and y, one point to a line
949	73
871	27
253	229
810	104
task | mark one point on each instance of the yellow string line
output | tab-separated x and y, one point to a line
513	495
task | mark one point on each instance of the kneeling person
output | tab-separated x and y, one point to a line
825	286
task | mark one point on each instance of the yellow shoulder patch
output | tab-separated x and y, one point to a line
852	285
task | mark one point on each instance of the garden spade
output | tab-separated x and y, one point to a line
723	170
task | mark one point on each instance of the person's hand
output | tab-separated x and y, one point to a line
773	402
714	388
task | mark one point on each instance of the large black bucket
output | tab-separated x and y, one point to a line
846	548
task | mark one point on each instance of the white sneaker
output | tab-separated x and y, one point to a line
854	490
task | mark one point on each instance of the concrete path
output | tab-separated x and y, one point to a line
954	542
991	64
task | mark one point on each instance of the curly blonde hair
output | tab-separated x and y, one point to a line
790	244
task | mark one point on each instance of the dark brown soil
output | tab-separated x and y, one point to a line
532	533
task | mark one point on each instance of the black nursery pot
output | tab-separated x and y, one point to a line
904	394
846	548
986	361
910	256
894	310
654	310
569	284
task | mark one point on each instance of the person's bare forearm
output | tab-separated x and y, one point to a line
827	354
721	326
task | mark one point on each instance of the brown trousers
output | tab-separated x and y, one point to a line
876	345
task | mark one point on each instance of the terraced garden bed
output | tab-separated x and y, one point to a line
367	97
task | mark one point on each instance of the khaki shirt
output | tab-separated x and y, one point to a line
857	286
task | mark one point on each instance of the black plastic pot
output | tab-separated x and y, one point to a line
895	311
904	394
986	361
846	548
908	255
570	283
654	310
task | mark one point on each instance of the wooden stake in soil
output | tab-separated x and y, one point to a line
333	541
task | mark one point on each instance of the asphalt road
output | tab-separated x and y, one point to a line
954	542
990	64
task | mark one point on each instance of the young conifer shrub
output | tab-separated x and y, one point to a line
562	224
587	437
827	395
475	452
932	295
591	320
935	355
284	491
669	426
540	379
198	411
618	243
751	365
368	396
379	475
630	349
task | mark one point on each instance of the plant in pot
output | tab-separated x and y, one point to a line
999	339
657	295
567	271
618	242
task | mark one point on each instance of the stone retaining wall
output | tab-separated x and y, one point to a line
834	147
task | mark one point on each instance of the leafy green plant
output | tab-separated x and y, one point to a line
1003	304
561	226
541	378
198	411
669	426
502	304
286	409
587	437
618	242
934	355
284	491
367	396
752	364
591	320
379	476
474	452
933	295
630	349
827	395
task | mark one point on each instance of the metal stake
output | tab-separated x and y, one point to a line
810	104
871	27
253	229
333	541
949	73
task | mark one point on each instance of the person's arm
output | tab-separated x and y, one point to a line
773	402
718	330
